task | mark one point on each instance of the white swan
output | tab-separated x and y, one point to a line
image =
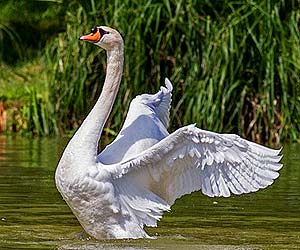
140	175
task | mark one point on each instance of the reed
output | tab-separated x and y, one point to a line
234	65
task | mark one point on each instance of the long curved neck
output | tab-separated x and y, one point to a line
87	136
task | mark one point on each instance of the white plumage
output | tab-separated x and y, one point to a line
140	175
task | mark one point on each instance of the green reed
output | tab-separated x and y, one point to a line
234	65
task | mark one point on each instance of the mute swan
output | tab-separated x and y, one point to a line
145	169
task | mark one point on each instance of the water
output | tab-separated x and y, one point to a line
34	216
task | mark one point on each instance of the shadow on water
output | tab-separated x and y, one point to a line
34	216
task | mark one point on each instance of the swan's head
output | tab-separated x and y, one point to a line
103	36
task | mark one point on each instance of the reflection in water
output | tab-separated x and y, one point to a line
171	246
98	247
34	216
2	148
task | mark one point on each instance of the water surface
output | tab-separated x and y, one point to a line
34	216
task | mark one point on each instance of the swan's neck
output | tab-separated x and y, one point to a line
85	141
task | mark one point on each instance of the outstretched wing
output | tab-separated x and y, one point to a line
162	103
191	159
145	125
159	103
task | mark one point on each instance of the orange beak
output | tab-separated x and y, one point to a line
92	37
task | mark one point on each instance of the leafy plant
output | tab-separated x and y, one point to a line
234	65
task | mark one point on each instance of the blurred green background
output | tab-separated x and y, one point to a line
235	65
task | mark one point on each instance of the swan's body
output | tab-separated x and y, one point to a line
140	175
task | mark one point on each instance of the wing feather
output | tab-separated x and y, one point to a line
192	159
139	205
159	102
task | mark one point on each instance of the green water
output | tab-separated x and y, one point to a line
34	216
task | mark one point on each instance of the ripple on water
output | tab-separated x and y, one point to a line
34	216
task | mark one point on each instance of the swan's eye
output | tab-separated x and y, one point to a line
103	32
94	30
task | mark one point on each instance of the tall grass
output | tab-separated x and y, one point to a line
234	65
